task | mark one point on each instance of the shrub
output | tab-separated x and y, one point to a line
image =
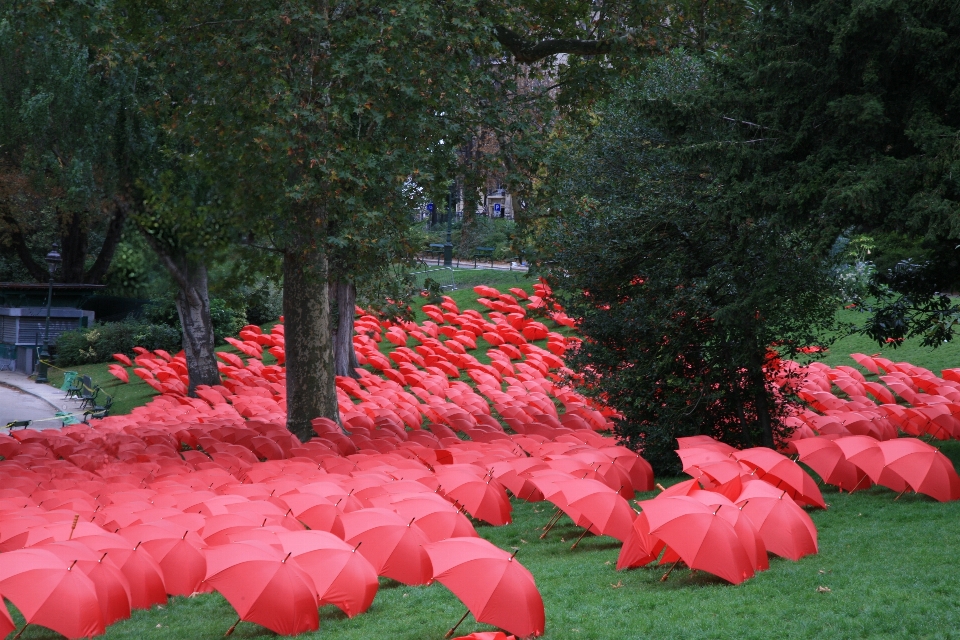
99	342
226	321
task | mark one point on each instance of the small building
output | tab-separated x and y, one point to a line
499	204
23	313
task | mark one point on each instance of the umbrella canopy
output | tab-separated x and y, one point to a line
865	453
341	575
6	622
113	589
144	575
783	473
264	586
605	508
177	552
393	547
484	498
493	585
640	548
437	519
701	538
923	467
824	456
785	528
50	593
744	527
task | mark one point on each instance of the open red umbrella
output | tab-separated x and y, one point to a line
341	575
316	511
393	547
264	586
785	528
177	552
436	518
824	456
865	453
6	622
144	575
923	467
701	538
608	513
742	525
113	590
484	498
782	473
494	586
640	548
50	593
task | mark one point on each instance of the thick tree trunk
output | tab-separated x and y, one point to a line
73	244
345	355
193	305
311	382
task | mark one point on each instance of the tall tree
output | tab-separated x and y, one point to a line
70	136
844	115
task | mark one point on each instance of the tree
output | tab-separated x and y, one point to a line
843	116
684	307
70	132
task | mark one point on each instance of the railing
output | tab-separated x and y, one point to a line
443	275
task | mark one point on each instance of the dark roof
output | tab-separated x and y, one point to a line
57	286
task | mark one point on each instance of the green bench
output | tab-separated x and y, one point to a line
436	249
483	253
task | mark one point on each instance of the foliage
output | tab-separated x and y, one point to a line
99	342
678	301
838	114
227	321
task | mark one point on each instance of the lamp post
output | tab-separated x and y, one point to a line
448	247
53	261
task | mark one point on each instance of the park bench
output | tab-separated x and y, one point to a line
436	249
483	253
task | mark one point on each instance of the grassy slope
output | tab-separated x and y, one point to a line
888	566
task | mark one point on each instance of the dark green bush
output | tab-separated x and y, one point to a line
226	321
99	342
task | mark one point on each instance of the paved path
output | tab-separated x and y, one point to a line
21	398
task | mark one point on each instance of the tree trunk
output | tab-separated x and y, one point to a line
345	355
193	305
110	242
73	244
311	382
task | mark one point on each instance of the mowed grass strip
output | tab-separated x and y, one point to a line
886	568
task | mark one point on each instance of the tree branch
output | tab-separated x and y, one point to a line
110	242
15	233
528	52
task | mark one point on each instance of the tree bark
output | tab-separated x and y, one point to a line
345	355
193	305
311	382
73	244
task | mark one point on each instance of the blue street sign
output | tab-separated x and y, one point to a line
496	208
430	207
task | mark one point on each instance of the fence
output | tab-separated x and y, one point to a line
443	275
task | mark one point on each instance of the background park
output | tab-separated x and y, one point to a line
296	271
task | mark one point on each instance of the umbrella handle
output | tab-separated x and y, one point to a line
585	532
667	574
450	633
230	630
21	631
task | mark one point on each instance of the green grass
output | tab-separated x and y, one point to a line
890	567
946	356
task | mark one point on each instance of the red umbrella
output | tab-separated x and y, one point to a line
495	588
436	518
342	576
6	622
608	513
393	547
144	575
317	512
783	473
701	538
484	498
785	528
923	467
177	552
640	548
50	593
113	589
264	586
824	456
865	453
